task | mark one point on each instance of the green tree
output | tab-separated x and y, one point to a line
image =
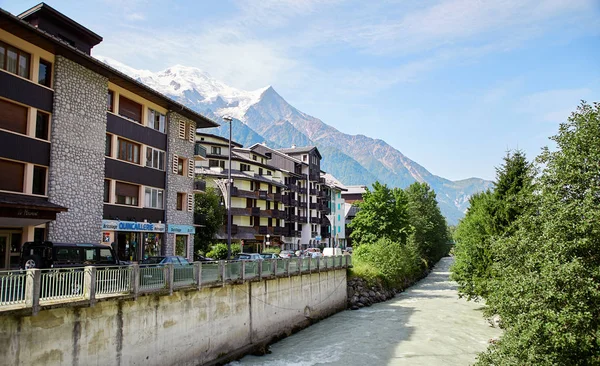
382	214
429	229
549	293
211	213
491	216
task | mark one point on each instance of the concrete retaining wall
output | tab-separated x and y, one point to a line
187	328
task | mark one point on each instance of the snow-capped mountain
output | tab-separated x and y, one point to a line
264	116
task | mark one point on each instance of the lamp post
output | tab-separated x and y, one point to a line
229	119
267	242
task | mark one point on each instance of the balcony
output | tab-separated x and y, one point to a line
200	185
291	217
262	195
262	230
293	187
326	210
238	211
255	211
315	220
277	197
199	151
314	234
235	192
322	180
313	206
313	191
277	230
302	190
286	200
302	219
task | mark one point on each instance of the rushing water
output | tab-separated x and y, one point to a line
426	325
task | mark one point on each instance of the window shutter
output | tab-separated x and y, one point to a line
175	163
191	168
192	136
190	198
182	130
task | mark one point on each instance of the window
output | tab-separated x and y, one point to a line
129	151
215	150
14	60
155	158
216	163
44	73
13	117
108	145
156	120
153	198
181	130
110	101
180	201
130	109
107	191
39	180
12	174
41	125
304	157
127	194
269	172
180	166
244	167
339	206
260	171
254	157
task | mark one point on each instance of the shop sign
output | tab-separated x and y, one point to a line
133	226
181	229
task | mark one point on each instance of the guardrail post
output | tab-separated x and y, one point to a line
89	284
274	267
260	269
198	274
243	271
170	276
309	264
299	265
319	264
32	289
222	272
347	261
135	279
287	266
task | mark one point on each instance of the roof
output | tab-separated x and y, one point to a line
332	181
45	8
28	202
278	152
50	43
224	139
356	189
300	150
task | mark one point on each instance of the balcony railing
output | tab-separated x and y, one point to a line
199	150
315	220
313	206
302	219
36	289
313	191
255	211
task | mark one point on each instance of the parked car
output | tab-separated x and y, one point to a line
199	258
47	254
315	254
248	257
269	256
349	250
176	260
287	254
330	252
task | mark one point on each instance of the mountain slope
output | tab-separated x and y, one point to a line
264	116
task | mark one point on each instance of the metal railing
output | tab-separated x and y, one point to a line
34	288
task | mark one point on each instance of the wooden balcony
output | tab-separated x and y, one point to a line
302	219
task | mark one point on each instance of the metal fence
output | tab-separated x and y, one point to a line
34	288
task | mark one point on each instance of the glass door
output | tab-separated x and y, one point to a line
4	253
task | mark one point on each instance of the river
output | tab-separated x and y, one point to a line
425	325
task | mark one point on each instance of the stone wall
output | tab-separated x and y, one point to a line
177	183
190	327
76	173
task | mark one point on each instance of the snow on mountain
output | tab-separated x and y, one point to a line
191	85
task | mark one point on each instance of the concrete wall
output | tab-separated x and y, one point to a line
187	328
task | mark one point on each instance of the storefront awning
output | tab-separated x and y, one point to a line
22	210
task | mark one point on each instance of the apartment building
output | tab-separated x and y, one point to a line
88	154
257	206
336	228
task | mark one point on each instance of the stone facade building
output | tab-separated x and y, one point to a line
87	154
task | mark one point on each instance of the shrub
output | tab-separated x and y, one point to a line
219	251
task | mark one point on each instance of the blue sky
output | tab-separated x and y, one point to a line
452	84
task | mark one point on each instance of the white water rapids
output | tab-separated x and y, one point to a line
425	325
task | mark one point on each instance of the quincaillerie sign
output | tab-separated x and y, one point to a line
149	227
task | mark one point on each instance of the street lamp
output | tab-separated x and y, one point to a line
267	242
229	119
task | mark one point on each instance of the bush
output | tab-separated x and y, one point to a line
392	262
219	251
274	250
